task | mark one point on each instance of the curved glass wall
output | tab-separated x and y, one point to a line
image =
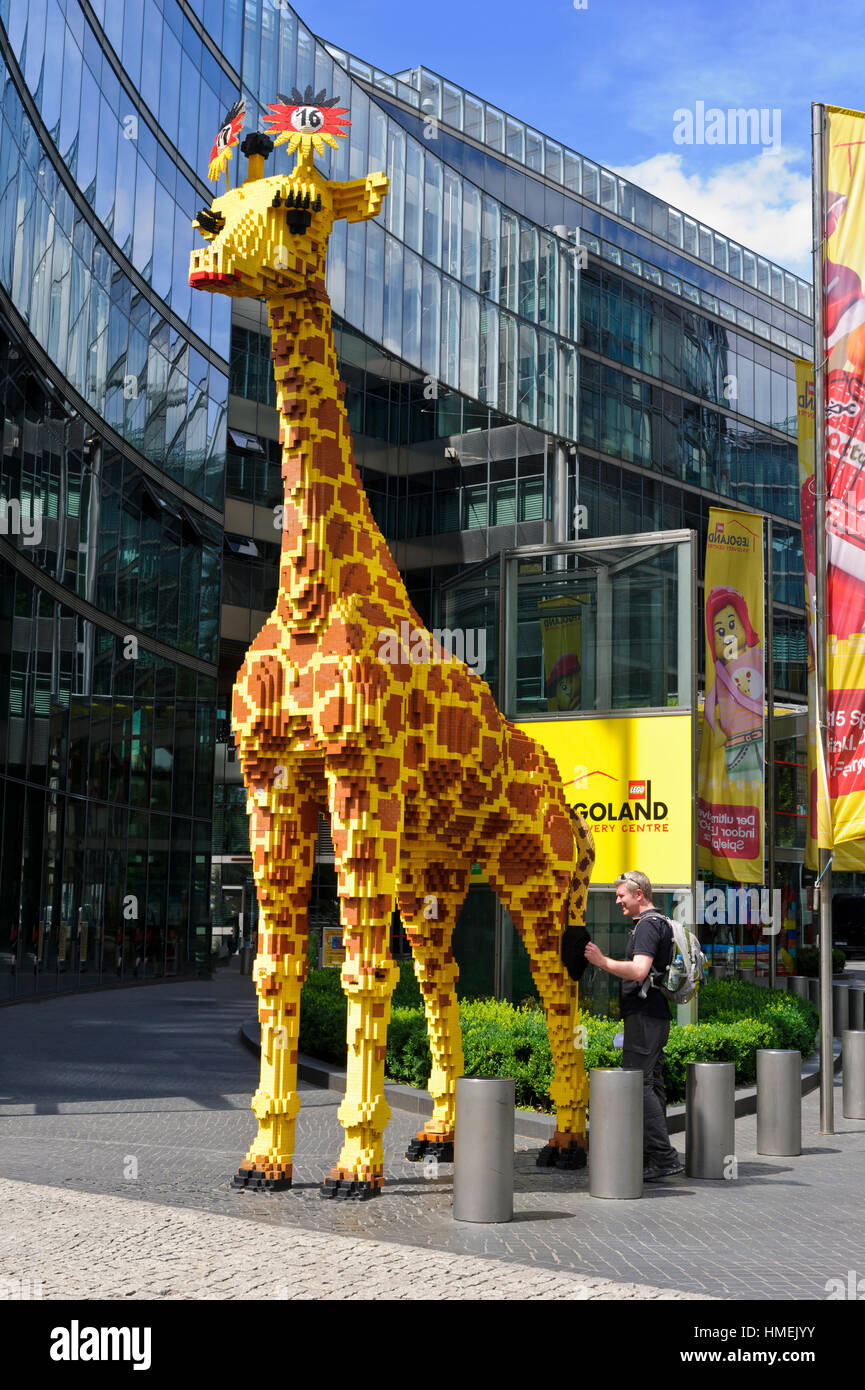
455	107
133	362
114	392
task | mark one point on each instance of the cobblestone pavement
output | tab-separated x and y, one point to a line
108	1248
142	1097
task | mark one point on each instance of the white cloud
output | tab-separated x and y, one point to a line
764	203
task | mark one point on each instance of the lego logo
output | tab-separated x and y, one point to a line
636	789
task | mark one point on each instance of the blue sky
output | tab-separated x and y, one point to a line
608	79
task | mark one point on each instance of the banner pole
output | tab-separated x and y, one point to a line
769	819
827	1097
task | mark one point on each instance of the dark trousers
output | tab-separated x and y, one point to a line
643	1050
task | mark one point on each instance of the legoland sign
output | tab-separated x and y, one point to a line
636	792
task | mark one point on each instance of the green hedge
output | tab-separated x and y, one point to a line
500	1039
808	961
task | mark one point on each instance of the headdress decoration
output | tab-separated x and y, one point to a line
226	136
307	119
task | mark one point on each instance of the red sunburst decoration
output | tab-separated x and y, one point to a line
307	120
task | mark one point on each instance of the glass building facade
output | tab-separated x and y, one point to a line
529	343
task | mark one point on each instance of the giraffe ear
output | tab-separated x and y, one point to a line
359	198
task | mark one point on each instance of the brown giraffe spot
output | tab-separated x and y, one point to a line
269	636
386	772
392	714
419	710
302	691
319	498
523	797
327	676
389	813
561	836
292	525
328	416
332	715
523	751
489	753
340	537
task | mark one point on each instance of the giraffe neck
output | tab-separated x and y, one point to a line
330	541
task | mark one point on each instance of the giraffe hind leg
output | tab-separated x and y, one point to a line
429	918
539	923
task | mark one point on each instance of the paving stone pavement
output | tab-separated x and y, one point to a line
135	1105
111	1248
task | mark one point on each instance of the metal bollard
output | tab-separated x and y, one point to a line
616	1132
853	1070
484	1149
856	1021
246	955
779	1101
710	1122
798	984
840	1009
814	990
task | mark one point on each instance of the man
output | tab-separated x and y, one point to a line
646	1014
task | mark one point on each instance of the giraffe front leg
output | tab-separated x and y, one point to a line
268	1164
569	1090
369	975
363	796
283	850
429	921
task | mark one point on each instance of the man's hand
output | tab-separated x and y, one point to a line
595	956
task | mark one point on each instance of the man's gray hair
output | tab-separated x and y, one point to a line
636	880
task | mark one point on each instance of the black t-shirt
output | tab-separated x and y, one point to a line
650	936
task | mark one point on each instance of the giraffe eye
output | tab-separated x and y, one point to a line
210	224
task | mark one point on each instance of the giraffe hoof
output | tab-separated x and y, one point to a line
262	1180
421	1149
349	1190
569	1158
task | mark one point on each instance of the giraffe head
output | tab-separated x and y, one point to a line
269	236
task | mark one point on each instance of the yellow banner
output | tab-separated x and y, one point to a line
631	779
730	777
844	352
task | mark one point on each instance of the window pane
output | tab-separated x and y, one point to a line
469	335
414	195
411	321
431	322
432	212
452	230
393	300
490	240
471	237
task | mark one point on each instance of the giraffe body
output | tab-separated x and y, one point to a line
419	773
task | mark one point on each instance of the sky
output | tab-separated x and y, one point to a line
624	83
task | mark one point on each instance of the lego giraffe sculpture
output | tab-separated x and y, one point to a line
419	773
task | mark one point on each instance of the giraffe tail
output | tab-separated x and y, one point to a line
575	938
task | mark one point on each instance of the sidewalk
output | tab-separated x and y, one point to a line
135	1105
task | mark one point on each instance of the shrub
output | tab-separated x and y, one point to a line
499	1039
808	961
